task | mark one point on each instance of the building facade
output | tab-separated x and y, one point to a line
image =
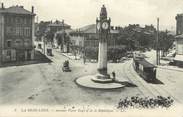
58	26
179	40
179	44
17	34
179	24
86	38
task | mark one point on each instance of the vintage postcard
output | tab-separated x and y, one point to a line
91	58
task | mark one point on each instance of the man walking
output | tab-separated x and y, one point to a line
113	76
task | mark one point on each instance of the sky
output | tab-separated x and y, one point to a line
78	13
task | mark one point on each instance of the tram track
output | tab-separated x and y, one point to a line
138	77
144	89
159	90
126	76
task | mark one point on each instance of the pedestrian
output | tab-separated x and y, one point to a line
84	59
114	76
67	63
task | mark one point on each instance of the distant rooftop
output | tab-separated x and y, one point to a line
66	31
58	23
92	29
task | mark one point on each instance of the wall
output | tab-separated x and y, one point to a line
18	30
179	24
1	36
77	40
179	47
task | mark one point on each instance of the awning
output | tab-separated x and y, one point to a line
178	58
146	64
179	36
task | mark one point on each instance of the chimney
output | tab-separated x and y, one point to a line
32	9
2	5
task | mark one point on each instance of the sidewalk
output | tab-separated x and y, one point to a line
151	57
38	58
69	55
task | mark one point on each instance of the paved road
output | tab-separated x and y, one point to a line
46	84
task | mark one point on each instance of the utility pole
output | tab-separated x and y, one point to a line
63	37
157	44
37	19
44	43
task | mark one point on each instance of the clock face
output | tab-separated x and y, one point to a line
105	25
98	26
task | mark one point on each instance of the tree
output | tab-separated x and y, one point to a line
49	36
165	41
41	29
59	38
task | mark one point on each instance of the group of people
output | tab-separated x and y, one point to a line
139	102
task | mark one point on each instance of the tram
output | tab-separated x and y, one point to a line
145	69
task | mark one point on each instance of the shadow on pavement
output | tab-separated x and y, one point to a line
39	58
155	81
127	84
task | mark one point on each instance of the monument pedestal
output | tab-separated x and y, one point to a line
100	78
90	82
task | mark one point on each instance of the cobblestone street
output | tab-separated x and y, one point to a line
46	84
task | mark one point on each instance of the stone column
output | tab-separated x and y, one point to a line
102	57
33	35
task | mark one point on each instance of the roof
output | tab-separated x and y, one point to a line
178	58
66	30
58	23
179	36
145	63
172	33
88	29
92	29
16	10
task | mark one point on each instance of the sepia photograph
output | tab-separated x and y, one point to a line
91	58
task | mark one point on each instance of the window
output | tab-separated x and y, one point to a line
8	30
8	43
12	20
8	53
24	20
17	20
80	43
21	31
73	42
26	42
17	30
27	31
17	43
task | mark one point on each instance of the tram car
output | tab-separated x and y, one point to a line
145	69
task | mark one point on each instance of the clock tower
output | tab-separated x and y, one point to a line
103	31
101	80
